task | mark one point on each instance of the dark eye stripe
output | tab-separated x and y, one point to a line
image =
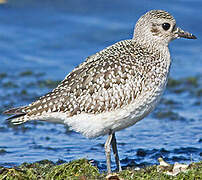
166	26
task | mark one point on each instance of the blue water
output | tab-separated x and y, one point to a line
52	37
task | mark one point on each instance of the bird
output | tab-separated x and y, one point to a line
114	88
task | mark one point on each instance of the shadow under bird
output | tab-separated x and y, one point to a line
114	88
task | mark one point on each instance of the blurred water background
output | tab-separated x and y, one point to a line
42	41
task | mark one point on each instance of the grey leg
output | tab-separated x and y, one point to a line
108	152
115	151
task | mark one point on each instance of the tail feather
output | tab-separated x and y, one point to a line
17	119
16	111
17	115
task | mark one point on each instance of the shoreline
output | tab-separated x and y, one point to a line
83	169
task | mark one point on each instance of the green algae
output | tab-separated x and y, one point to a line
194	172
30	73
3	151
47	170
173	82
47	83
26	73
168	101
74	170
199	93
3	75
168	114
9	84
27	171
83	169
23	92
192	81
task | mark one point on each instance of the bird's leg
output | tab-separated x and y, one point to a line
108	152
115	151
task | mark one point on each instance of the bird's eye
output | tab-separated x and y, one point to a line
165	26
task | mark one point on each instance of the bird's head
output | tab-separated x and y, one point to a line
158	26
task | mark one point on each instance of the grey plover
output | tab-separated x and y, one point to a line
114	88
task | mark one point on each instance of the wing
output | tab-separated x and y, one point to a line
106	81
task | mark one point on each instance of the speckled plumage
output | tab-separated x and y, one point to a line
106	81
114	88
